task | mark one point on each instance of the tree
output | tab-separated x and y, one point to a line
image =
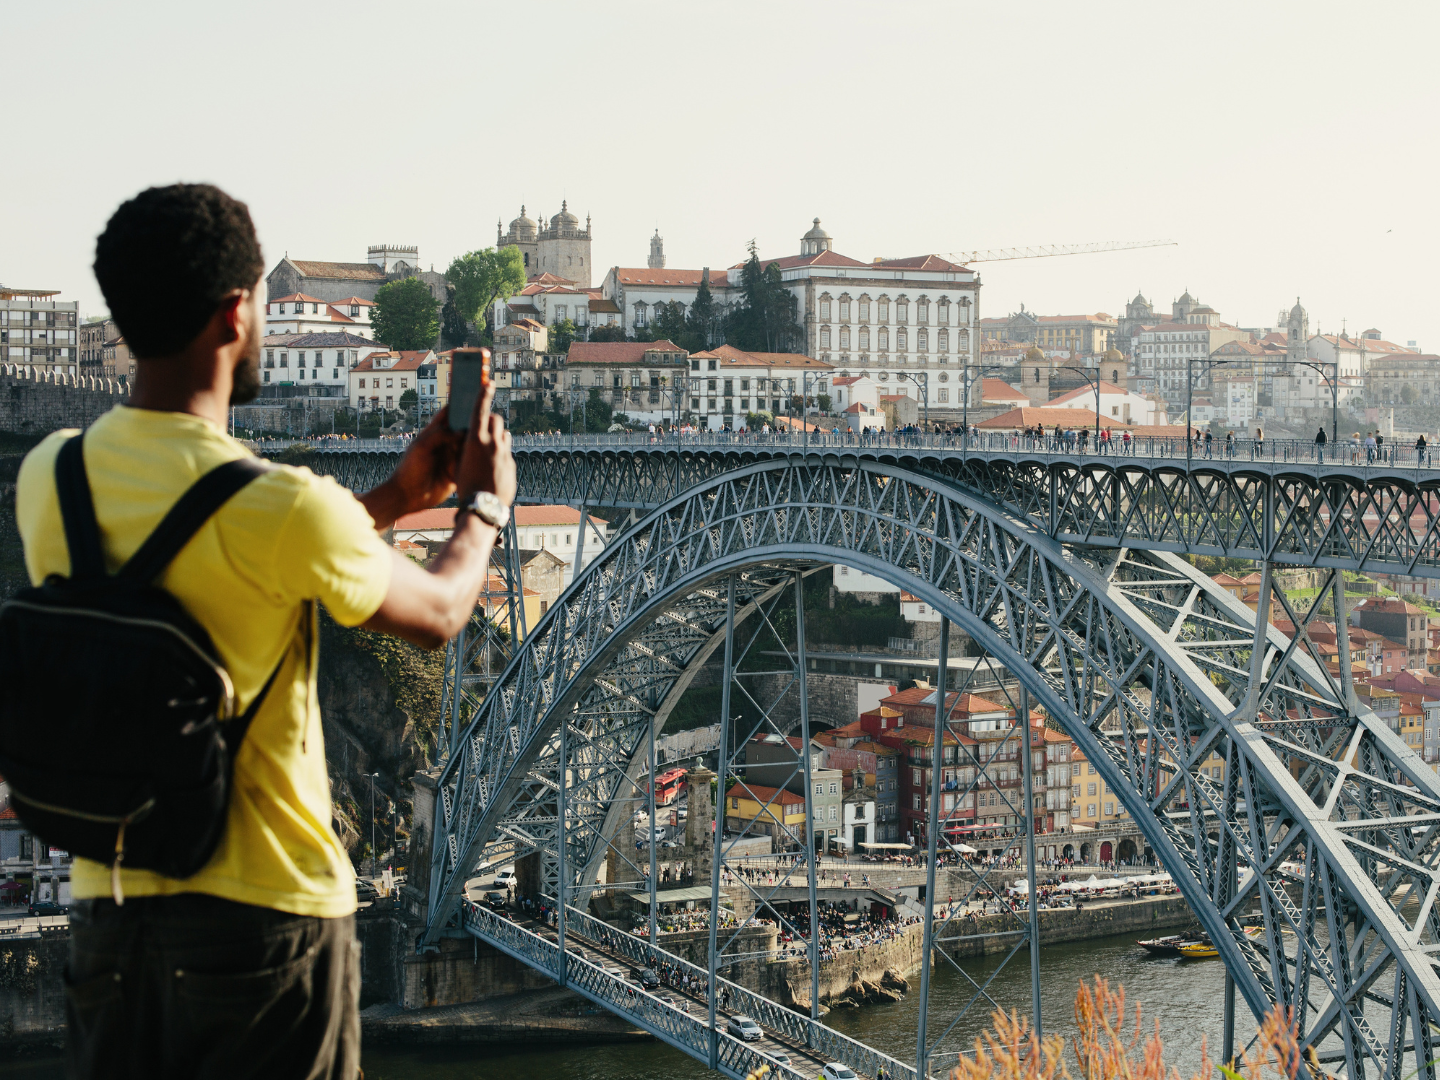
453	330
405	315
766	319
598	414
823	400
482	277
667	325
699	322
409	399
1407	394
609	333
562	334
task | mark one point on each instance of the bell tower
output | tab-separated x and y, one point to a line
657	252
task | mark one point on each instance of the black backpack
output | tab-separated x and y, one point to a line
117	733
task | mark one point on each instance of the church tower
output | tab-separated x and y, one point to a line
657	252
1297	333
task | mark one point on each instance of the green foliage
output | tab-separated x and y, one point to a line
453	330
409	399
823	400
405	315
414	676
1218	564
608	333
754	420
562	334
700	320
482	277
851	621
668	324
766	318
598	414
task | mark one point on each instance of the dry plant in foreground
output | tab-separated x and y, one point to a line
1104	1050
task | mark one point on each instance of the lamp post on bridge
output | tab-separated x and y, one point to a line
1092	381
924	388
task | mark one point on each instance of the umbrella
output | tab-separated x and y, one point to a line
11	886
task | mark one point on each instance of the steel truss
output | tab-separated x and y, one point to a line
1381	517
1325	823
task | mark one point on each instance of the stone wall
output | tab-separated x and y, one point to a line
1141	917
36	404
32	989
460	970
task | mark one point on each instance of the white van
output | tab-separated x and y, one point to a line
505	878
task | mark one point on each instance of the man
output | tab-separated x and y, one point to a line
1320	440
250	965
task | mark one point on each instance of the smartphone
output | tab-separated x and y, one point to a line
469	378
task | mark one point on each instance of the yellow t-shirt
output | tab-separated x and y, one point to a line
286	538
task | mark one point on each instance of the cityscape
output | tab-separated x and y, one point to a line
890	645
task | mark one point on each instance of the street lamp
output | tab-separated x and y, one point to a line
924	388
965	370
1095	382
373	775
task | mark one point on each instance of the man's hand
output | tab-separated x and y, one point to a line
424	478
428	607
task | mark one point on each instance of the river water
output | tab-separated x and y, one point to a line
1186	996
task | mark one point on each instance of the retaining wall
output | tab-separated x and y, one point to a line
38	403
32	989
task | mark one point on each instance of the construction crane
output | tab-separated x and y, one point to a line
1047	250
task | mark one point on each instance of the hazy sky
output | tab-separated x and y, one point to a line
1290	149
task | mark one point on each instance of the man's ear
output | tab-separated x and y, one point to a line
229	316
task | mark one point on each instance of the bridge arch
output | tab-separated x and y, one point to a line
1139	658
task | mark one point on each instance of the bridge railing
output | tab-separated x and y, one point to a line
682	1030
768	1014
1076	442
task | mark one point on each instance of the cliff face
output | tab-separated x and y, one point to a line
379	697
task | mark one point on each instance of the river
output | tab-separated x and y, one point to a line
1186	996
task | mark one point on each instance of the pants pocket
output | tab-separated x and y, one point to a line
98	1030
233	1021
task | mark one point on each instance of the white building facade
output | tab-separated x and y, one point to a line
317	365
299	313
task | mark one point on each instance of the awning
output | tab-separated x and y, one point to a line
673	896
887	847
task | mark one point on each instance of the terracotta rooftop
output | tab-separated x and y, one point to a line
339	271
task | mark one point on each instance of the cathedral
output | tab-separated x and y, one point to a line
562	248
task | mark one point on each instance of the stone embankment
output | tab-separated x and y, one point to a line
32	988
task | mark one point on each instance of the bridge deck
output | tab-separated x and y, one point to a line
809	1044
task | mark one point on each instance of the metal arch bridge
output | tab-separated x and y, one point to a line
1325	823
1284	508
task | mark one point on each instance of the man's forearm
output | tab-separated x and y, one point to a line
385	504
463	565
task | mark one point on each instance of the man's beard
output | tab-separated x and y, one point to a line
245	384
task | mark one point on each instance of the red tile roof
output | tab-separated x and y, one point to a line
643	276
619	352
300	296
728	354
1084	392
762	794
354	300
999	390
919	262
404	362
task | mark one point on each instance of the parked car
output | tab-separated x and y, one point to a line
505	878
365	891
836	1071
46	907
496	897
742	1027
647	978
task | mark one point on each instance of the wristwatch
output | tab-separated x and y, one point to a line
487	506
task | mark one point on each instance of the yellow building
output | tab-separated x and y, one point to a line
1091	801
773	810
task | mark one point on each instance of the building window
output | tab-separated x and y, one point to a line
864	310
922	311
942	340
825	309
825	337
944	394
900	340
902	311
844	309
884	342
922	340
884	313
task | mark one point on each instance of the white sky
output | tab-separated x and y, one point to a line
1291	149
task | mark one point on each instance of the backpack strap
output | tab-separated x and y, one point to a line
193	509
77	511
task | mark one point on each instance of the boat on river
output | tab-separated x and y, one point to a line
1166	946
1199	950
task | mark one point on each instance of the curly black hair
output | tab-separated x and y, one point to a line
168	257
